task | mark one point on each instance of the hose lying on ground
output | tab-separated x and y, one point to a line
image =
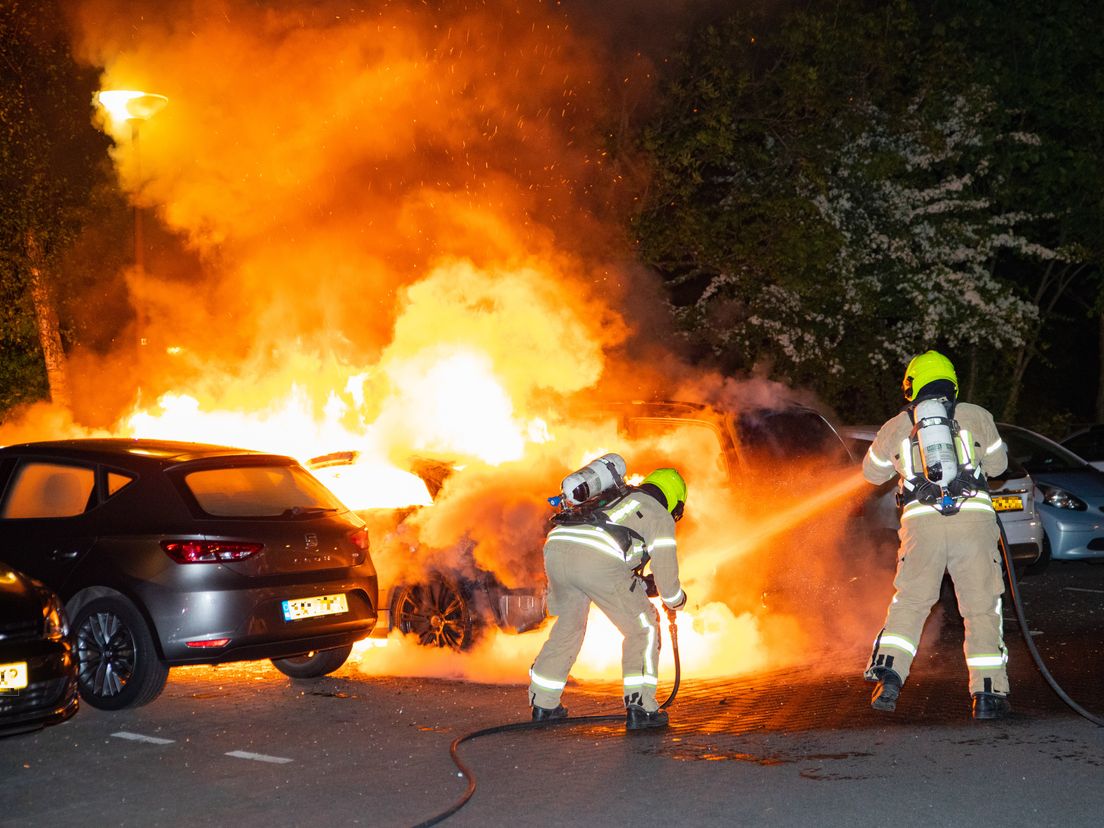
506	728
1014	588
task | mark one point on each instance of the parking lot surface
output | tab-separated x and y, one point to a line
243	745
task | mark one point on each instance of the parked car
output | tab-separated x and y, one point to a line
1087	443
38	674
169	553
446	610
1070	495
1013	498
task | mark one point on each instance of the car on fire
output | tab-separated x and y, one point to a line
38	674
170	553
444	609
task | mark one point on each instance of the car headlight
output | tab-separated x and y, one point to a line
56	624
1061	499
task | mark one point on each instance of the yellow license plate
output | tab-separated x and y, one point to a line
1008	503
13	676
298	608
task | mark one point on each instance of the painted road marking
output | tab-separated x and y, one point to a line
258	757
138	737
1083	589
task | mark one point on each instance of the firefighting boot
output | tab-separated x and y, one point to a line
990	705
637	718
886	690
546	714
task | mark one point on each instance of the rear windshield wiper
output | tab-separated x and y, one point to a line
307	511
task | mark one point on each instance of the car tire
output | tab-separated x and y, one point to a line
117	662
1040	565
438	612
314	664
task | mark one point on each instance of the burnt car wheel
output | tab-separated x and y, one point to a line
117	663
438	613
314	664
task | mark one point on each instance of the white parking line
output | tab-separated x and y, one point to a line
138	737
1083	589
258	757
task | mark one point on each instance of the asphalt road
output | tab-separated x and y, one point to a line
245	746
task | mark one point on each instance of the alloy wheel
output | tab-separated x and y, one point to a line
106	653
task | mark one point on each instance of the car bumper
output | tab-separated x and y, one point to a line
1024	536
253	621
51	692
1074	536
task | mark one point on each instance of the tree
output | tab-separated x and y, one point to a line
1045	66
911	197
49	162
839	186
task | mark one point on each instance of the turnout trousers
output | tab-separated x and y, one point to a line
964	545
577	576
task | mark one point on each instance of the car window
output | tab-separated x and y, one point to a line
695	446
1089	445
116	482
1039	456
48	490
259	491
789	435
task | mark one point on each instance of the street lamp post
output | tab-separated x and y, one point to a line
125	106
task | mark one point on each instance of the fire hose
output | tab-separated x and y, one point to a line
1014	588
673	631
565	722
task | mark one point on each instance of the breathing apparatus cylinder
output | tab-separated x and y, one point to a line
594	478
937	449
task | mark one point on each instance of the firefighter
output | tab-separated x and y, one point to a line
586	562
942	451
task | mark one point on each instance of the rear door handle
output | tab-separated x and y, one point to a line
64	554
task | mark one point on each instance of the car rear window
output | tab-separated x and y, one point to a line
259	491
48	490
1040	457
789	435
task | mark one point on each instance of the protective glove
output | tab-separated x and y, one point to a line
926	491
964	484
679	605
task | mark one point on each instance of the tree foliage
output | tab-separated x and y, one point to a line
838	187
50	159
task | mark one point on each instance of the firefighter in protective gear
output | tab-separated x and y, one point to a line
600	561
949	528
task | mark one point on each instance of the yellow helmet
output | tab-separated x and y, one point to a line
672	485
928	367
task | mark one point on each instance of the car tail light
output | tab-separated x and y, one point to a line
206	551
210	642
361	540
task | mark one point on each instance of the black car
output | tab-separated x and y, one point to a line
168	553
38	674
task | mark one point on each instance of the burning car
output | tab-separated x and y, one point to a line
169	553
448	606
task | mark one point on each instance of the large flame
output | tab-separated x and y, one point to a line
384	239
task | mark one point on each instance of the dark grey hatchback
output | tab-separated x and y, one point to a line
169	553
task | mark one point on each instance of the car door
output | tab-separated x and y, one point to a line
45	528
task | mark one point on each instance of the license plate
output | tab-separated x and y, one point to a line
1008	503
13	676
298	608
